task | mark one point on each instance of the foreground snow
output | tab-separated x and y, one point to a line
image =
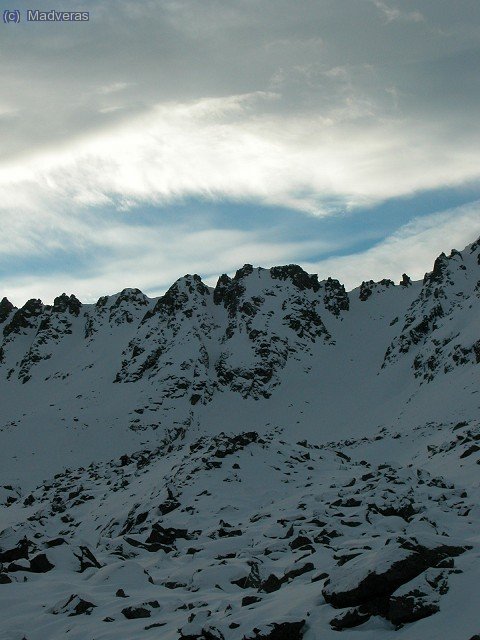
230	534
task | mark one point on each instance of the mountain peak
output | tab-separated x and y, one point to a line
64	303
6	308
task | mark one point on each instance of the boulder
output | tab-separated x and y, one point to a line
279	631
378	574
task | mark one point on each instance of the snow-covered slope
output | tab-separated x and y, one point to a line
270	458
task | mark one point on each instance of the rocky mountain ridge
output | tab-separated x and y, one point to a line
241	333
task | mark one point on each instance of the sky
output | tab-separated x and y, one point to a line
165	137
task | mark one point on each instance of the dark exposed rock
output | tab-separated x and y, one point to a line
406	281
295	573
476	351
18	552
166	536
271	584
83	607
64	303
132	613
133	297
251	581
228	291
75	606
300	542
207	633
410	607
40	564
176	298
6	308
101	302
405	511
24	318
152	547
231	444
473	449
439	268
351	618
367	287
229	533
247	600
133	520
300	278
320	576
335	297
279	631
371	585
87	559
168	506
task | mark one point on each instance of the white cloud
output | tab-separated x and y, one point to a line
412	249
220	148
152	259
319	107
393	13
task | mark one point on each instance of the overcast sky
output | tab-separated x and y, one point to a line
172	136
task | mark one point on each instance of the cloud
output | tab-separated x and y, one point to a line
257	100
222	148
393	13
411	249
152	259
322	107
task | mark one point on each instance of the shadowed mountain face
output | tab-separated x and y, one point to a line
270	458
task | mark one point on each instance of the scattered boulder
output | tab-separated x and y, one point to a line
16	553
374	575
74	606
168	506
411	606
207	633
82	607
87	559
252	581
132	613
40	564
56	542
166	536
279	631
419	598
271	584
301	542
349	619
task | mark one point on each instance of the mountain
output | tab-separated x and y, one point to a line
272	458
